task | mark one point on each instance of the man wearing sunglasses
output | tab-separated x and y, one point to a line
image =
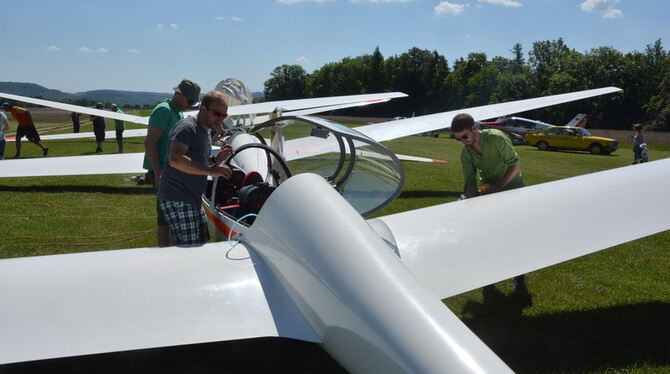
163	118
184	178
491	153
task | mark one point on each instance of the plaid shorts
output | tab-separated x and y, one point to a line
187	223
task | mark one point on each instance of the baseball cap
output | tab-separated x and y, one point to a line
189	89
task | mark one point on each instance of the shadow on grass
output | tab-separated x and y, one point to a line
135	190
605	338
416	194
262	355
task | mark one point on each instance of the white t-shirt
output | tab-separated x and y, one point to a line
3	119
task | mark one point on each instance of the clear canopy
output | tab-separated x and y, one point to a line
365	173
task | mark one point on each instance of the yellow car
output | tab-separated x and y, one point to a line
572	138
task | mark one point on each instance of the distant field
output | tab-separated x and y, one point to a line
603	313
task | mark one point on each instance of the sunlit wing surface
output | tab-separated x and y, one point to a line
75	165
89	135
321	109
455	247
395	129
54	306
298	104
78	109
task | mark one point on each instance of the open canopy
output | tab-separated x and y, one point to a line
363	171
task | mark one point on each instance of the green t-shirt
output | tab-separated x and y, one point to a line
497	156
120	124
164	116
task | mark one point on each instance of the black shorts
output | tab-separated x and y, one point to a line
29	132
99	132
119	135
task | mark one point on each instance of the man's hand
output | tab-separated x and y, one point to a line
220	171
224	153
488	188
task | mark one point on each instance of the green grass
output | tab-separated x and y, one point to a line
603	313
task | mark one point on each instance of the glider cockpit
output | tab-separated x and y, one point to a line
364	172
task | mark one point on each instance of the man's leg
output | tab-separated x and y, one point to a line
163	235
18	147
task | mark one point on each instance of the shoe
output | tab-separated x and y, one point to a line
98	150
44	152
16	156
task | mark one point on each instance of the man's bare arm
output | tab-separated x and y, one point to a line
151	149
180	161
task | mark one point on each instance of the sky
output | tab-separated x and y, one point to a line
148	45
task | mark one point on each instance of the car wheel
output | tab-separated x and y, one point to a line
596	149
543	146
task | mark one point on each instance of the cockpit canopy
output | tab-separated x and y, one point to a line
366	173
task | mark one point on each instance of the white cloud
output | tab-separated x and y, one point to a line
613	13
160	27
446	7
236	19
52	48
304	1
219	18
174	26
302	59
134	51
506	3
85	49
603	7
380	1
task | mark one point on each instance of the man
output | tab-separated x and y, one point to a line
489	152
4	126
162	119
26	128
120	127
99	128
184	178
75	122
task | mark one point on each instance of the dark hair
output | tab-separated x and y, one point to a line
637	126
462	121
213	96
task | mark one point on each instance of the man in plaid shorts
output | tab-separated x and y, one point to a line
184	178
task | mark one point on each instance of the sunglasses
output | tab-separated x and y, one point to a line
464	137
216	113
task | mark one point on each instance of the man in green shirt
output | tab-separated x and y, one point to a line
489	152
162	120
120	127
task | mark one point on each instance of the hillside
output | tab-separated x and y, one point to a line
116	96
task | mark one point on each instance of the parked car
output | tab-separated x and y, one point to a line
572	138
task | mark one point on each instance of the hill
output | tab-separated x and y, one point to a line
116	96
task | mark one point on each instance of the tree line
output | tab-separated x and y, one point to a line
551	68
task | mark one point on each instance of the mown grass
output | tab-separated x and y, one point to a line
602	313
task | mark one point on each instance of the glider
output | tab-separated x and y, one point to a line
306	264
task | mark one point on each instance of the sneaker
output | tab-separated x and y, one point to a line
44	152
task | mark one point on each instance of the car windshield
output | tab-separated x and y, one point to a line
585	132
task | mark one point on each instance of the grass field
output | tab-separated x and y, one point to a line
603	313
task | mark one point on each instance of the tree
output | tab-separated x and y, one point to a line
286	82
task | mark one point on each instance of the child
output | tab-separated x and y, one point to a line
644	153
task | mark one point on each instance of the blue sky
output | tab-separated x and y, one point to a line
77	45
